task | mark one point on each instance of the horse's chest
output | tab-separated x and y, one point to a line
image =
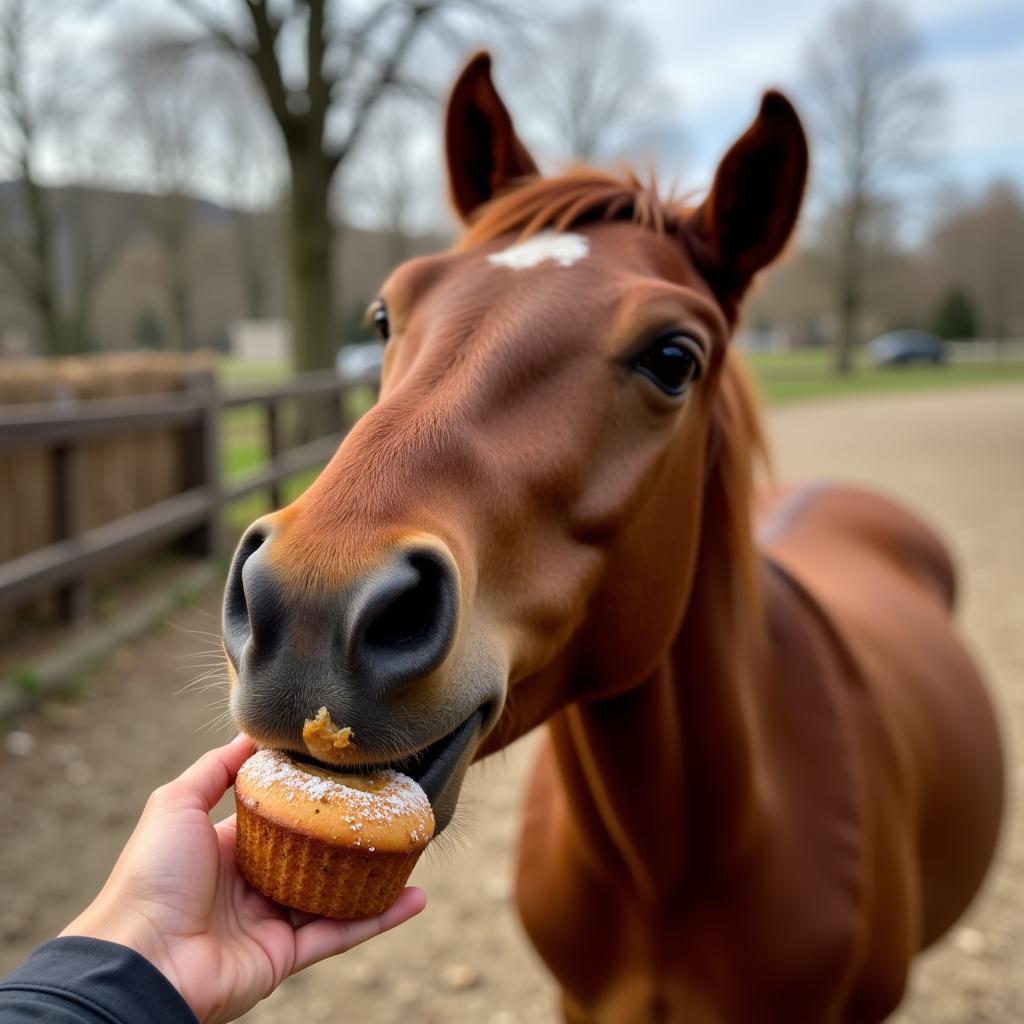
761	950
702	972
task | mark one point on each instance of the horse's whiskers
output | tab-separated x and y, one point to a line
217	722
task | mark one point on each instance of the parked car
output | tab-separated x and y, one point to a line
358	359
899	348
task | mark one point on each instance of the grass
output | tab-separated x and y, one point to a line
781	377
242	512
234	373
25	680
244	444
790	376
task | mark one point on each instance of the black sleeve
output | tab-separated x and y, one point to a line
89	981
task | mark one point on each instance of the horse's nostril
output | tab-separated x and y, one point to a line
385	630
408	621
251	606
235	606
413	614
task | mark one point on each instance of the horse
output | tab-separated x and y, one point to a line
770	773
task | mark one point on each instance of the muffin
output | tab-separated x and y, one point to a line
341	845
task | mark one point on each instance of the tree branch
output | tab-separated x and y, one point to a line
22	272
354	41
316	82
209	25
418	13
415	90
264	59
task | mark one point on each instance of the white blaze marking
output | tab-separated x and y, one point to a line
564	248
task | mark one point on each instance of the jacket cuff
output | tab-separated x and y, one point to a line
106	979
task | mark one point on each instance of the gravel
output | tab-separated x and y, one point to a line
75	777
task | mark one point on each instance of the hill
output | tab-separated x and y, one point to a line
232	266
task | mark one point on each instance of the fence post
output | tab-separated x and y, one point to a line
334	411
202	461
274	449
73	599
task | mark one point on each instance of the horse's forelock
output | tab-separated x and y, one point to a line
572	199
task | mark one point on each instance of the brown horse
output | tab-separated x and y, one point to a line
770	773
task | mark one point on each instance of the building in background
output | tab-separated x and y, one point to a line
260	341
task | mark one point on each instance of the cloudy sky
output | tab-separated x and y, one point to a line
719	55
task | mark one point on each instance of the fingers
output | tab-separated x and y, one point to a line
227	831
326	937
298	918
227	826
206	781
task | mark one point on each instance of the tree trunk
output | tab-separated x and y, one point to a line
171	214
43	300
848	285
78	319
78	326
398	247
251	230
848	316
310	291
176	286
179	300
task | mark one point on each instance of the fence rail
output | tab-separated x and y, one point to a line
29	426
196	515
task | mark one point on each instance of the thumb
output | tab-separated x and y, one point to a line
326	936
206	781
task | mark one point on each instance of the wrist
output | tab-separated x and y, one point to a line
112	924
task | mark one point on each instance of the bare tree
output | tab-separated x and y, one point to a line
387	184
167	113
252	166
92	230
974	246
91	224
874	116
323	68
28	110
59	242
593	83
979	245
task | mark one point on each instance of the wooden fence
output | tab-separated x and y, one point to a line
60	433
118	474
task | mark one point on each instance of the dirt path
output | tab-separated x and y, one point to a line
68	804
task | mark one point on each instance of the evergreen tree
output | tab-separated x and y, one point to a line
955	316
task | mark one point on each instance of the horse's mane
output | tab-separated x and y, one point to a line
571	199
739	449
737	444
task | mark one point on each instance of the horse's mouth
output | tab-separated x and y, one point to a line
437	768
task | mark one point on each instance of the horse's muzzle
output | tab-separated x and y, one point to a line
389	629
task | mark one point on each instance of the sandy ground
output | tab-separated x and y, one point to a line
957	456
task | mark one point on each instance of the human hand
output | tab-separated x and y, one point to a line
177	897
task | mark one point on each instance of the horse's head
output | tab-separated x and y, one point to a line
514	525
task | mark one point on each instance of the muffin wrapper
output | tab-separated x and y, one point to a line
309	874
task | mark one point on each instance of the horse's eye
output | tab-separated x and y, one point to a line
379	319
671	363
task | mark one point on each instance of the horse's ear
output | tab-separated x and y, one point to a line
752	207
484	154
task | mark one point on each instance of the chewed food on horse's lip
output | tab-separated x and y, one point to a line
325	741
431	767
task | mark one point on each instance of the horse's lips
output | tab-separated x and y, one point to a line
431	768
439	769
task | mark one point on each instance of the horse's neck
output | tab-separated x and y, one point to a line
663	780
